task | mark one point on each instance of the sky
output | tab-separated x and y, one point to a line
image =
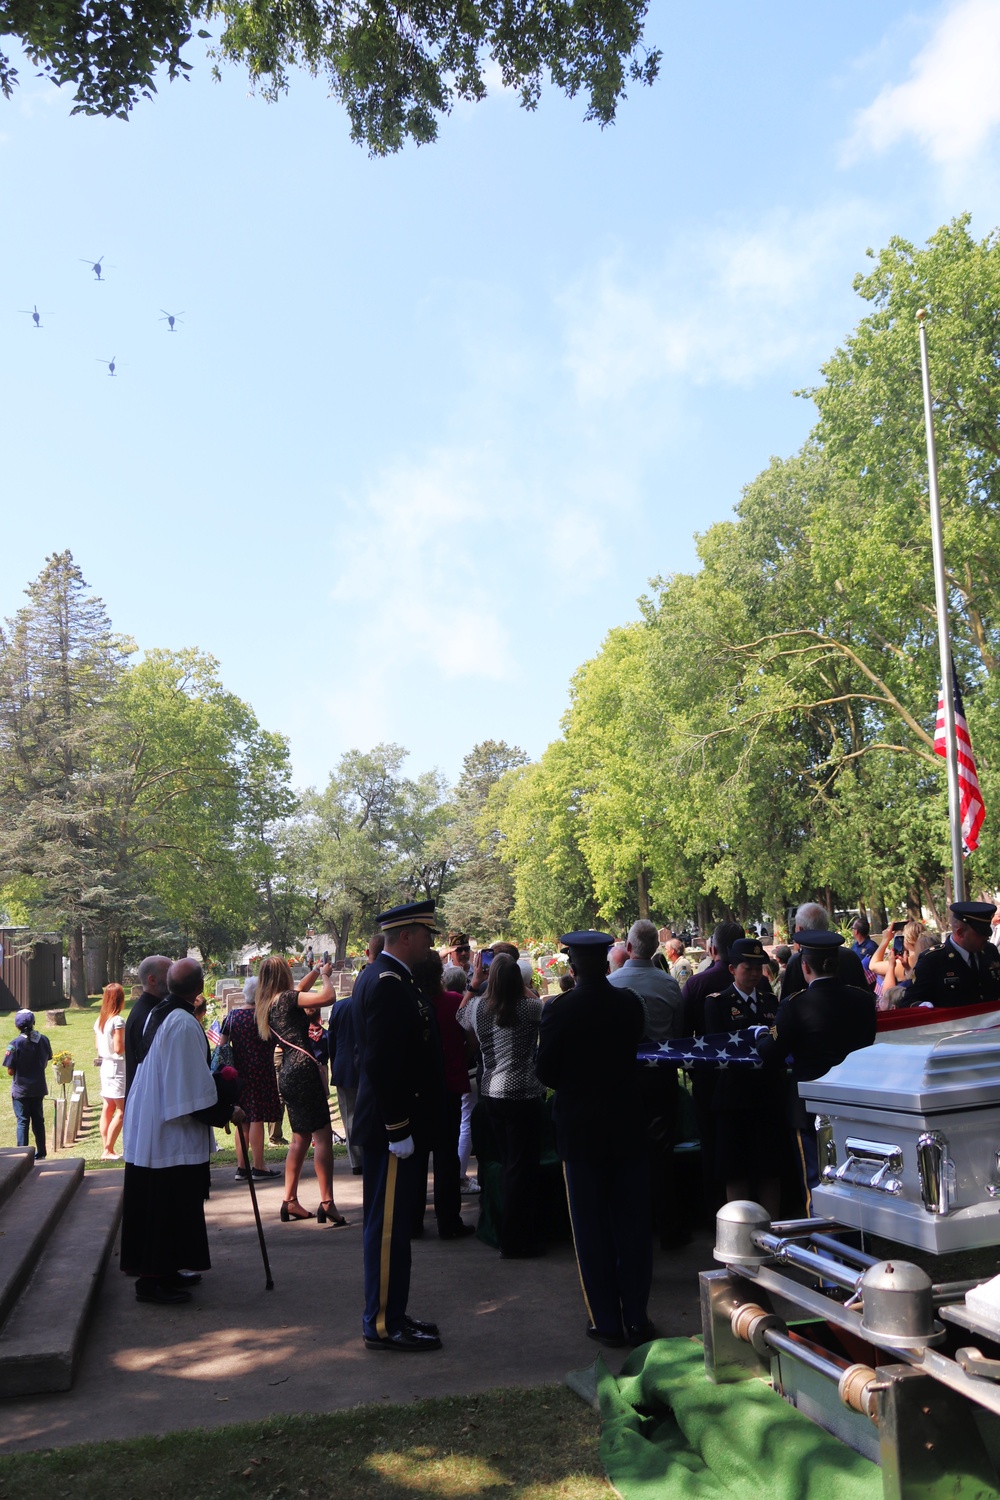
428	425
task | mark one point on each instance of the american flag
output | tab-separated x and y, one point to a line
723	1049
213	1033
970	798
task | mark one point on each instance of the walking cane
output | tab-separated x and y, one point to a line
269	1283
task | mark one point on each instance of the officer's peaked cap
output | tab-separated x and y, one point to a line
975	914
414	914
586	940
820	942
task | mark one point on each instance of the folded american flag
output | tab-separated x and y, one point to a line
723	1049
213	1033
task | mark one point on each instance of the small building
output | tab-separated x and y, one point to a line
31	972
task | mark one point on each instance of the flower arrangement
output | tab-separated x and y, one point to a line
62	1060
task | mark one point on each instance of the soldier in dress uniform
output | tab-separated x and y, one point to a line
748	1104
401	1096
816	1029
587	1042
965	970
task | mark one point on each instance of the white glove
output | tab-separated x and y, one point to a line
759	1031
402	1149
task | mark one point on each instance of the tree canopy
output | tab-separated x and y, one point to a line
765	731
396	70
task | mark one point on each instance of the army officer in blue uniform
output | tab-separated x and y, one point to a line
815	1030
401	1095
965	970
749	1104
587	1041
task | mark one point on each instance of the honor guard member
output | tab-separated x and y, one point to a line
965	970
815	1029
401	1093
587	1041
748	1103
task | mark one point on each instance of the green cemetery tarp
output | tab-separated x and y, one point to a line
668	1433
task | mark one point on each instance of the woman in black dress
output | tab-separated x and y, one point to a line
280	1006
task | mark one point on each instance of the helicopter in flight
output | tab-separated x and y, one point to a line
170	319
109	362
95	265
35	315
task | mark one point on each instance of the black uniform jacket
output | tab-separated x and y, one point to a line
587	1042
850	970
944	978
817	1028
742	1088
401	1066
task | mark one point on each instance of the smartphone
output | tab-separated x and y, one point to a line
485	957
897	943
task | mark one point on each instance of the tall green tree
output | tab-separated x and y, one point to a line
480	899
60	667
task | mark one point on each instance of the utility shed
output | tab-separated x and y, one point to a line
31	976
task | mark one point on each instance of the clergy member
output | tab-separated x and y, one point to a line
173	1103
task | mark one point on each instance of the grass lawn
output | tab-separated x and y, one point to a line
77	1037
536	1444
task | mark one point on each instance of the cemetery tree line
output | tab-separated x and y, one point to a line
764	731
143	807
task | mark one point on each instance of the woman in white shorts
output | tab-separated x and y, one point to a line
109	1031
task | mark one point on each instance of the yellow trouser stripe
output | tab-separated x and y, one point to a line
388	1205
805	1174
572	1226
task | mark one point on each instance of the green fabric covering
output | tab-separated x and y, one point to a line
667	1431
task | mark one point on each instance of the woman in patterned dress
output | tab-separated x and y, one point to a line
280	1007
253	1059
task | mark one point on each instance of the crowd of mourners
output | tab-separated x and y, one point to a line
442	1054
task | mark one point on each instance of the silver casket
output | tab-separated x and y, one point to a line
908	1132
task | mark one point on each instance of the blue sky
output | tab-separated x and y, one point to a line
430	424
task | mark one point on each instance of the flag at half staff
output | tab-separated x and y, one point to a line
970	797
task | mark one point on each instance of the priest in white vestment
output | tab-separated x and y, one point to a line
168	1143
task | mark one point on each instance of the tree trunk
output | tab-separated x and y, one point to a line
642	889
704	914
341	933
829	902
116	958
77	975
95	962
913	904
932	905
862	908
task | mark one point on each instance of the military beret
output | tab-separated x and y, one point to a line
975	914
748	950
586	940
414	914
818	940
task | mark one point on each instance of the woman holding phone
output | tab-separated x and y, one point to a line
895	957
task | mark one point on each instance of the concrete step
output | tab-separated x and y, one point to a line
15	1164
42	1339
27	1220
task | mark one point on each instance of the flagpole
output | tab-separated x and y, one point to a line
944	636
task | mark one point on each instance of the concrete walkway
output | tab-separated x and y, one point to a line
236	1352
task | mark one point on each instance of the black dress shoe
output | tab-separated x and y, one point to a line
148	1290
609	1340
460	1232
356	1171
415	1325
642	1333
406	1341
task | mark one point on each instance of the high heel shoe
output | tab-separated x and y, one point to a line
325	1214
288	1218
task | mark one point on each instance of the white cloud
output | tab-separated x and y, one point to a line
418	543
951	102
728	306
